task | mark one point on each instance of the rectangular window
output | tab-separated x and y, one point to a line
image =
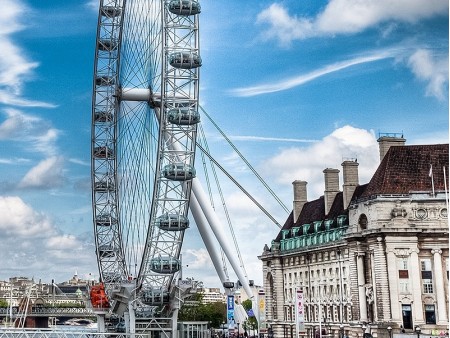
425	264
427	285
430	315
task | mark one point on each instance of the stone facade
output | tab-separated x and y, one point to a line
375	263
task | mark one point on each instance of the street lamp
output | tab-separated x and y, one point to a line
364	327
341	330
238	328
390	331
223	329
418	329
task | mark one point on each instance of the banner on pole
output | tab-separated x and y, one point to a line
299	310
230	312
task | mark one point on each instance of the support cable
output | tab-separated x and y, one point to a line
245	161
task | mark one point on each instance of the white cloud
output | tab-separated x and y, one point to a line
32	245
19	219
298	80
431	70
307	163
15	67
46	174
35	133
344	17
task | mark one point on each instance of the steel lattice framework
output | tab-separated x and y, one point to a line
144	125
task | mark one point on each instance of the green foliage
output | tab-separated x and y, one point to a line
215	313
3	303
251	323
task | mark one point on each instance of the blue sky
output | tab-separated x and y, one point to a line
297	86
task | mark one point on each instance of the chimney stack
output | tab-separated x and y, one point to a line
331	187
387	141
351	180
300	197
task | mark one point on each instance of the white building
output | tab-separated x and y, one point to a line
371	258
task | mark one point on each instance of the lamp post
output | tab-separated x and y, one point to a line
238	328
389	331
223	329
364	327
418	329
341	330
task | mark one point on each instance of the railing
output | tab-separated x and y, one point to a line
317	238
50	311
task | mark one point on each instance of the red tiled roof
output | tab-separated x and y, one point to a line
406	168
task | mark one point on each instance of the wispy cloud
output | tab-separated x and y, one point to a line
269	139
35	133
15	67
431	70
304	78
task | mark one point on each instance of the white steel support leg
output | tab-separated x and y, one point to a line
206	235
216	227
101	323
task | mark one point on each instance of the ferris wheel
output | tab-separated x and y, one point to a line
144	125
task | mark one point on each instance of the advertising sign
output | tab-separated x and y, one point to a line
262	312
230	311
299	311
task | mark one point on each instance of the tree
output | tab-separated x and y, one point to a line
251	323
3	303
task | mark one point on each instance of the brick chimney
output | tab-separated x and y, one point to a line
331	187
387	141
300	197
351	180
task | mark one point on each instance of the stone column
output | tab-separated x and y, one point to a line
361	287
416	289
393	285
440	294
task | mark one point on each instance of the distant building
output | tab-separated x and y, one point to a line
212	295
371	259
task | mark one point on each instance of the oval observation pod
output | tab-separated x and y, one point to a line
104	80
178	172
107	45
183	116
106	251
185	60
155	297
165	265
228	285
105	221
103	152
184	7
102	116
111	11
172	222
103	186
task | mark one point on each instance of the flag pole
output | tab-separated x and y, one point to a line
432	180
445	187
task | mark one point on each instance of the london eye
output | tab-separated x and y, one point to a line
144	125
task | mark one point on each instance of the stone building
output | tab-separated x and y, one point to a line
371	259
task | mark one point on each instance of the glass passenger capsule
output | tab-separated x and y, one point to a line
104	80
107	45
155	297
103	152
102	116
178	172
103	186
184	7
172	222
165	265
228	285
185	60
105	221
183	116
106	251
111	11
